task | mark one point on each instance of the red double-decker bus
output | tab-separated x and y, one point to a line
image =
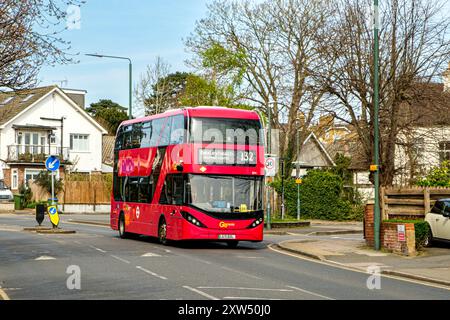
190	174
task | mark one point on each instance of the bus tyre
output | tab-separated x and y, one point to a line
122	232
162	231
232	244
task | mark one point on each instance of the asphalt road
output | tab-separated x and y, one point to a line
34	266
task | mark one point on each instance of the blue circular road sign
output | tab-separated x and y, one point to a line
52	210
52	163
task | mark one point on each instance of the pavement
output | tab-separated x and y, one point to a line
431	264
34	266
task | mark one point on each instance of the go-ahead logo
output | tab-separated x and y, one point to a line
225	225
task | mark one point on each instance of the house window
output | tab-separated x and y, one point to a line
14	179
31	174
444	151
79	142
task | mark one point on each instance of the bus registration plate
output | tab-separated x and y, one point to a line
227	236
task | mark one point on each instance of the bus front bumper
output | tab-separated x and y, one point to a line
191	232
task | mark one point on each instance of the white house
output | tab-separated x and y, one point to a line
46	121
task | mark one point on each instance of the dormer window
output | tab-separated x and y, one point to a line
28	97
7	100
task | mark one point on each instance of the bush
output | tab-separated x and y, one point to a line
27	194
321	197
421	230
437	177
44	180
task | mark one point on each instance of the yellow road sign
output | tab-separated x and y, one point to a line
298	181
53	214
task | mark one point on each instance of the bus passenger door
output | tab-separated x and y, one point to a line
172	199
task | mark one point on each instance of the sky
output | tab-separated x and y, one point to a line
138	29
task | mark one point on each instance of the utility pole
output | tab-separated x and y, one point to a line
375	168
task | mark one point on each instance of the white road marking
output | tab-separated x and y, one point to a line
201	293
245	257
242	288
249	298
98	249
45	258
120	259
310	292
344	267
3	295
243	273
150	254
151	272
167	250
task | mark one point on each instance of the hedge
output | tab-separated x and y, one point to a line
321	197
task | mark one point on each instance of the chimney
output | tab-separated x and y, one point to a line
78	96
446	79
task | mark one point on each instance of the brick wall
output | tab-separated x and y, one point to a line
389	239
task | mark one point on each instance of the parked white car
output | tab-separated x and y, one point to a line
5	192
439	221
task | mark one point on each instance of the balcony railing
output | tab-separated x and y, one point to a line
35	153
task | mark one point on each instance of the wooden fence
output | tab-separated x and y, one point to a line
77	192
409	202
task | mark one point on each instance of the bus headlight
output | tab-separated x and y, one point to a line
192	220
256	223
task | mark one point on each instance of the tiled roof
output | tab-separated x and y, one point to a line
13	103
108	150
429	106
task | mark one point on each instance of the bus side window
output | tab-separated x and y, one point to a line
144	190
146	134
166	192
156	131
136	135
127	131
177	129
119	140
133	190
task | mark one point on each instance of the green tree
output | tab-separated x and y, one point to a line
342	168
438	176
202	92
44	180
108	113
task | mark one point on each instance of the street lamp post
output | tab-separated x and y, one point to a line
282	189
375	169
130	82
298	169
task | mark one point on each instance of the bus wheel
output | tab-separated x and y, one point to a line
162	231
232	244
122	232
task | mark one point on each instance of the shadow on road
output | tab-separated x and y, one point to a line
201	244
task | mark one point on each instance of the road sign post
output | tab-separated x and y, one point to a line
52	164
270	172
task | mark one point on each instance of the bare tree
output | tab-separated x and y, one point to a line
153	90
414	49
29	38
277	41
